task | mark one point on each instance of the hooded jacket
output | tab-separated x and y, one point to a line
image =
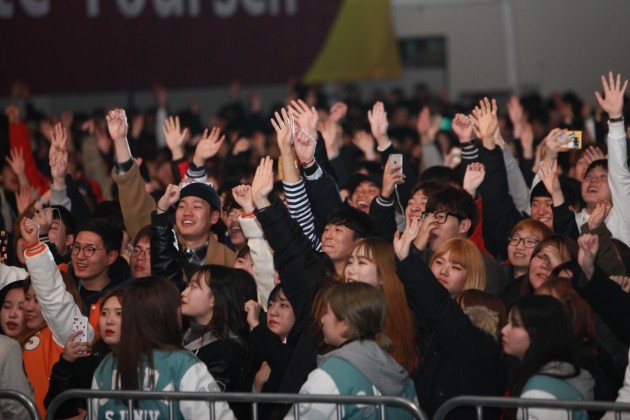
359	367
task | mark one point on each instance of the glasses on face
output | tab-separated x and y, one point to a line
88	250
441	216
135	252
527	242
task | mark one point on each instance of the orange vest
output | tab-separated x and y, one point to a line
40	353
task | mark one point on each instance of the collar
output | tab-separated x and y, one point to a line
196	256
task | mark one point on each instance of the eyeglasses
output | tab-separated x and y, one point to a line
88	250
135	252
441	216
527	242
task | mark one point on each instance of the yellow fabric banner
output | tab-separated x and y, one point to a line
360	45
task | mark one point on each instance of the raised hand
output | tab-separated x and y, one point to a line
556	141
29	231
425	126
176	138
74	350
330	130
253	309
463	127
599	214
263	183
16	162
304	147
486	121
170	197
548	174
612	102
589	244
623	281
117	124
403	241
43	218
13	114
378	122
392	175
208	146
285	129
137	125
24	197
337	112
365	143
474	176
593	153
428	224
243	196
527	141
306	117
517	115
58	153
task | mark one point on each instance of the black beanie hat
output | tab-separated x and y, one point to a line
203	191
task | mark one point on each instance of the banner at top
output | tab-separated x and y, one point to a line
96	45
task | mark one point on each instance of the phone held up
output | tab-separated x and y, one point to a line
396	159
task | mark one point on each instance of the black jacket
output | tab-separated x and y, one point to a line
461	359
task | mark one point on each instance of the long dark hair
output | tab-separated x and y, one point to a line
150	321
228	316
551	337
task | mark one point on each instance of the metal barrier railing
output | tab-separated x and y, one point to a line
381	402
525	404
28	404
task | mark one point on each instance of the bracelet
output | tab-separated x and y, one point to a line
158	207
304	165
616	120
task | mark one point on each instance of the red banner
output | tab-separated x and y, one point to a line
94	45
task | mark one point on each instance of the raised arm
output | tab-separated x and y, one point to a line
136	203
58	306
618	174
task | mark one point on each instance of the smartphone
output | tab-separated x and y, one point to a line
576	140
4	245
396	159
79	323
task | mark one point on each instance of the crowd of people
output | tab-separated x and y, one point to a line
401	246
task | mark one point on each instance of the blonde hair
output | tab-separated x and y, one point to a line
466	253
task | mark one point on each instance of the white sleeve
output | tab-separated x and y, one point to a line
541	413
262	256
9	274
58	306
623	397
318	382
618	221
198	379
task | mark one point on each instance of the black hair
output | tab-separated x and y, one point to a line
551	337
443	175
243	252
67	218
361	225
456	201
110	234
599	163
144	233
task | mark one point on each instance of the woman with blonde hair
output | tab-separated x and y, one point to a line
372	261
458	265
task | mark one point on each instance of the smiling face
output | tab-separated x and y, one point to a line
110	321
92	267
337	242
520	255
193	219
234	228
539	270
542	210
514	336
32	310
363	195
451	274
140	259
198	300
416	205
595	187
362	268
12	313
280	316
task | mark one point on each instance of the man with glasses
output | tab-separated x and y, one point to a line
451	213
